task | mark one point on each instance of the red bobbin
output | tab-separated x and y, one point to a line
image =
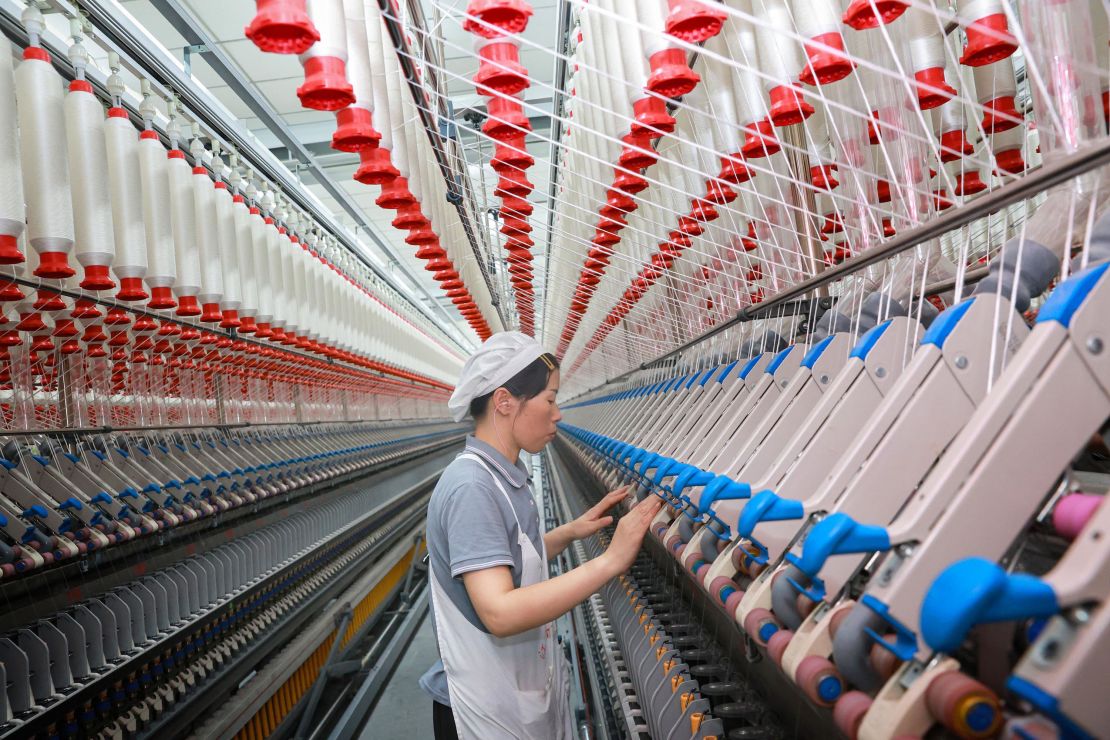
693	21
282	27
650	117
760	140
671	75
161	298
933	90
54	265
954	144
9	250
1009	161
506	118
826	60
375	167
499	70
325	86
788	107
1000	115
823	176
864	14
354	130
492	18
988	40
97	278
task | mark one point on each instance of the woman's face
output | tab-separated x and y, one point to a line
534	426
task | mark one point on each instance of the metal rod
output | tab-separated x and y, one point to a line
431	129
322	678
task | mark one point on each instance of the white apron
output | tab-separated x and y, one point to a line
512	687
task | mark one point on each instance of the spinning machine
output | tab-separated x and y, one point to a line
830	277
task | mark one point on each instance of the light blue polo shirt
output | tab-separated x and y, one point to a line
471	527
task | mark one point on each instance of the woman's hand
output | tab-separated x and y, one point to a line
631	528
596	518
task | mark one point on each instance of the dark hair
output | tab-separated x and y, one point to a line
527	384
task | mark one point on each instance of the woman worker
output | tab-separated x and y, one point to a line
501	673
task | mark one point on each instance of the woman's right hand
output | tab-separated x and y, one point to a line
631	528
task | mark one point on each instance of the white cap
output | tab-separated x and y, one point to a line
499	358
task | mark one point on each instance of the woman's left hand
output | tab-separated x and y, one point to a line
596	518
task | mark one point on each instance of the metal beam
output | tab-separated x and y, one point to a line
132	41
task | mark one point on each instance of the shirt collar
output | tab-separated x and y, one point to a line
516	475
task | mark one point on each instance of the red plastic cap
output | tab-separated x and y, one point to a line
506	118
9	250
10	291
187	305
954	144
131	289
825	65
161	297
823	176
325	85
246	324
354	130
650	117
969	183
410	218
863	14
37	53
1010	161
988	41
637	153
693	21
210	313
759	140
491	18
395	195
430	251
788	107
933	90
80	86
48	300
54	265
629	182
375	167
671	76
512	153
1000	115
882	190
500	71
282	27
97	278
231	320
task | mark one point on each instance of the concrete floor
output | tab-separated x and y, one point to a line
404	710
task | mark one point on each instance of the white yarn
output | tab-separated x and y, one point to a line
95	242
161	267
12	211
43	153
183	218
122	149
208	240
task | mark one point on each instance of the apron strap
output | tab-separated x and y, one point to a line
496	482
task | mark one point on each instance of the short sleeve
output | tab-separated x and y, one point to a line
474	526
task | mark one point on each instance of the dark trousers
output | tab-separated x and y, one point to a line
443	722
